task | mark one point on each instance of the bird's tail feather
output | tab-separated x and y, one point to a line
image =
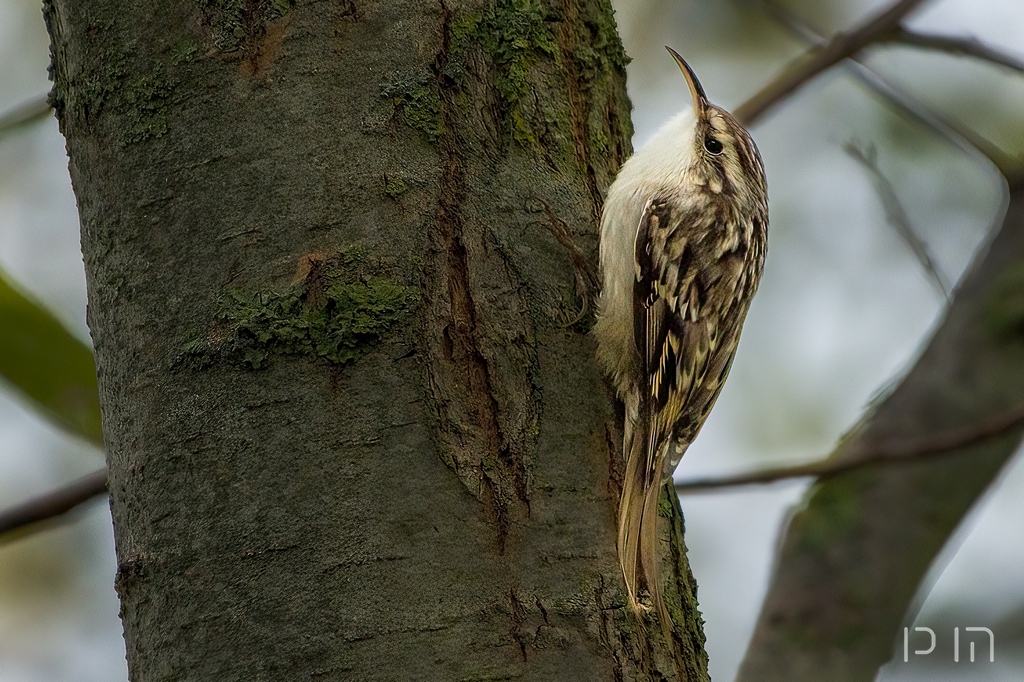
638	520
631	507
649	556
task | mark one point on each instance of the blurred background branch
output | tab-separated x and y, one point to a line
955	45
23	114
822	57
31	514
912	450
884	526
897	215
962	137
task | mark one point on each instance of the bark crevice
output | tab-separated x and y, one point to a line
492	462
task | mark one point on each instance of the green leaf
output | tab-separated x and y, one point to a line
48	365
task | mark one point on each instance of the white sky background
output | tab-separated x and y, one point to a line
842	308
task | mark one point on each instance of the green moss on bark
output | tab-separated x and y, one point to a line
394	187
335	313
143	99
834	510
514	34
184	50
129	85
597	53
681	600
604	49
419	104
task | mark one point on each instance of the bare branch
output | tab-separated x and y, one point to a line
824	56
23	114
899	452
54	503
956	45
897	215
960	137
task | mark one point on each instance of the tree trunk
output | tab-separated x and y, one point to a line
336	254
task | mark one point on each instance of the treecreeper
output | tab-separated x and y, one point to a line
684	232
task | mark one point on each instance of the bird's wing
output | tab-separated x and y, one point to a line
689	298
692	288
661	283
636	445
676	324
656	335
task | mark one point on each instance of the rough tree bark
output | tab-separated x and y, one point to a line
854	555
335	252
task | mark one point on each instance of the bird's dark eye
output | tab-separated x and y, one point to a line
712	145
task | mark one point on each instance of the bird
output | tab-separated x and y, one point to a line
683	238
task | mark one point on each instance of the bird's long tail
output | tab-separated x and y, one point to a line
631	511
638	520
649	558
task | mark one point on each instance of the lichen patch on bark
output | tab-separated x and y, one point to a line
253	29
330	311
131	87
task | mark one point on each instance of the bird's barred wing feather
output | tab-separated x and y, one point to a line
693	285
694	279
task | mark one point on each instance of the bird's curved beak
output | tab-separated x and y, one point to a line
700	100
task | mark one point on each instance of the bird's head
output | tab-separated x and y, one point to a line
726	159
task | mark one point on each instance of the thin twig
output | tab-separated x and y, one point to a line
584	272
959	136
898	452
822	57
23	114
897	215
54	503
966	46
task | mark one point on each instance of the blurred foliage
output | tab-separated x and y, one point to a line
34	574
48	365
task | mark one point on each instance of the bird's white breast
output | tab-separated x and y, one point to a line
662	169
